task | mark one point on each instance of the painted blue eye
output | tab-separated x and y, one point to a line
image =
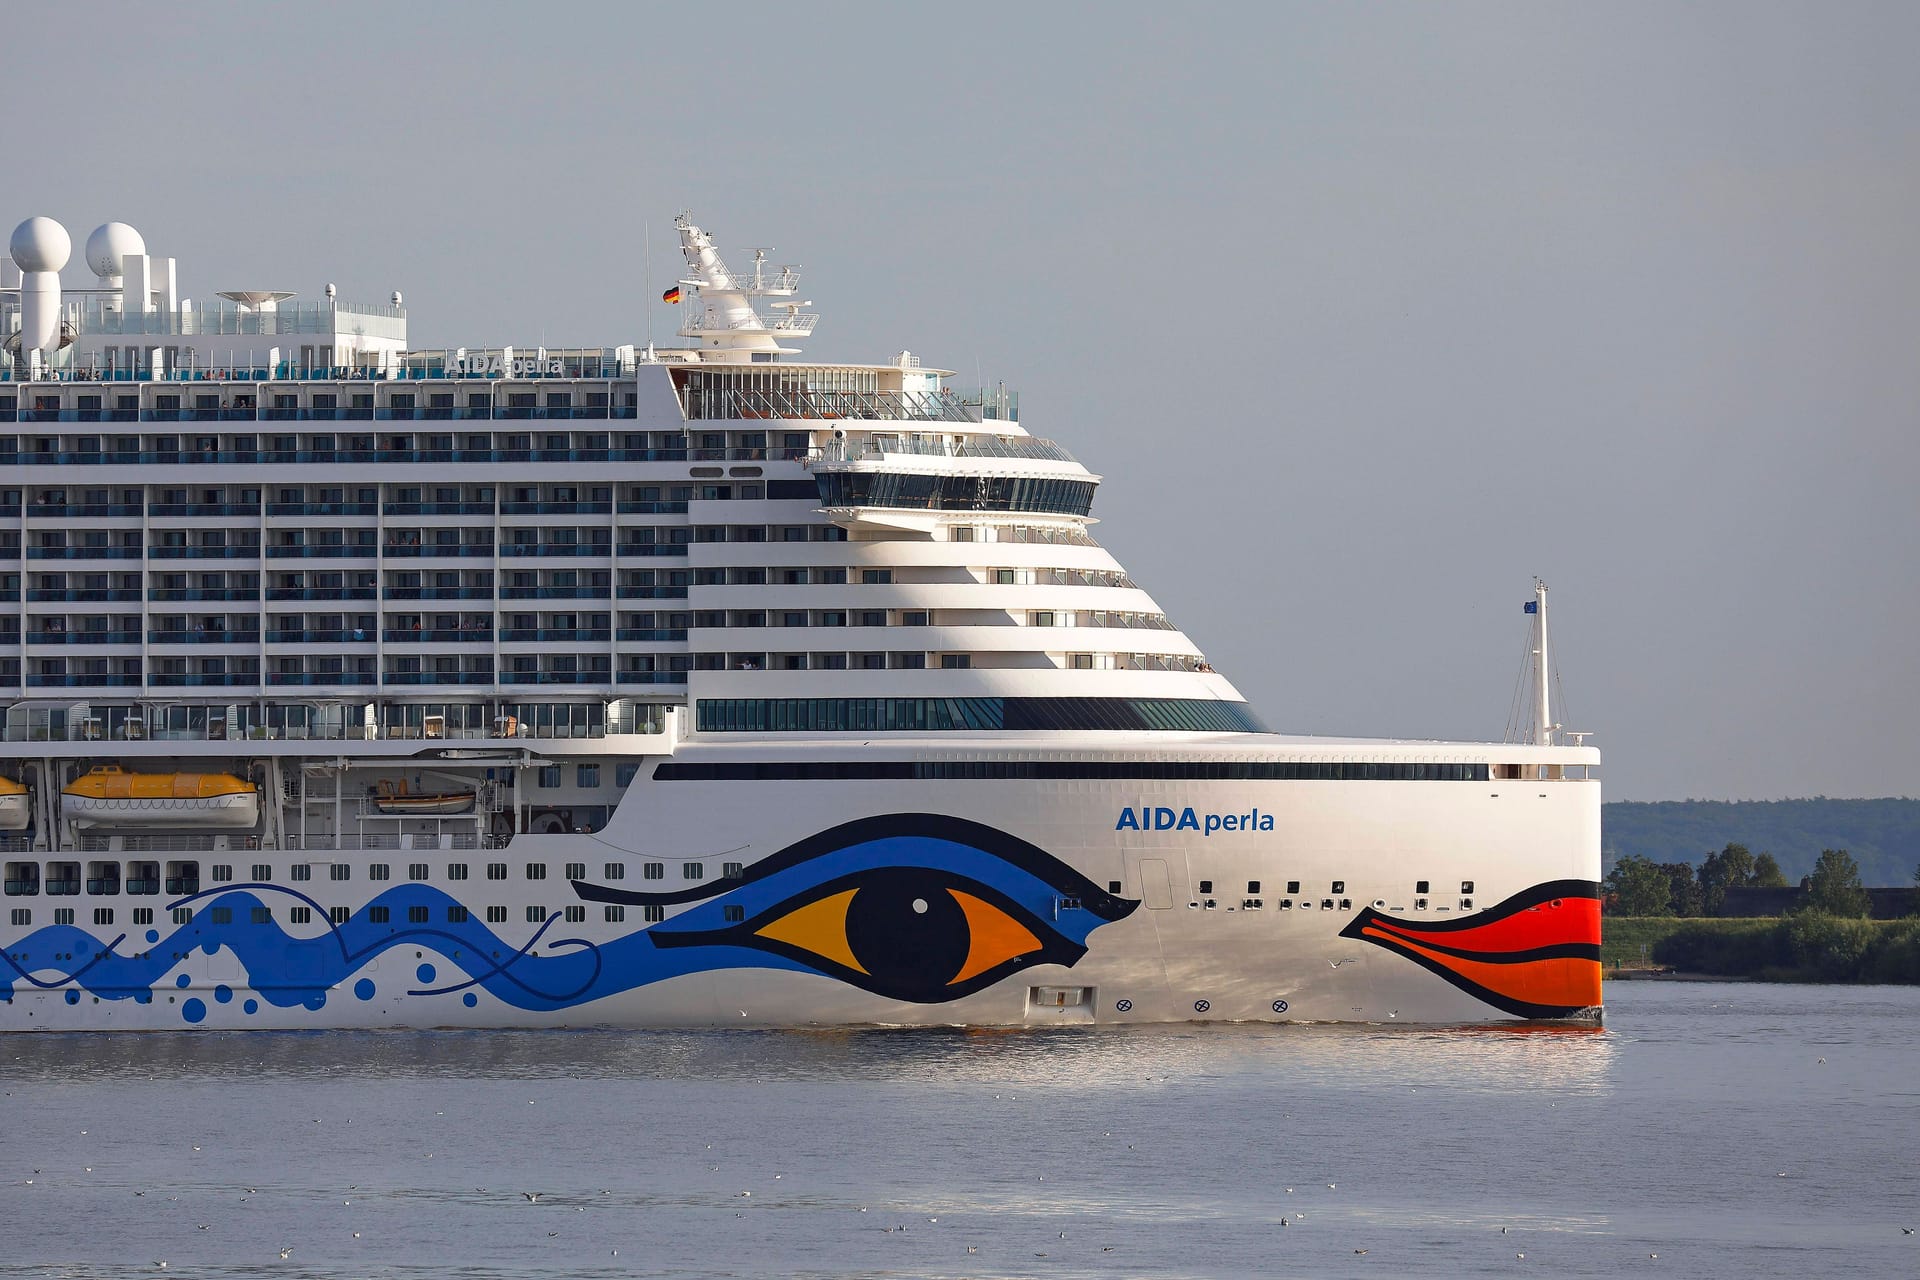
918	907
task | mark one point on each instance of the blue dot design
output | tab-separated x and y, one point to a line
183	981
194	1010
469	999
364	988
424	973
153	935
223	993
251	1006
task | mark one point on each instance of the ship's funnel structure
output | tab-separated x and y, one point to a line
40	248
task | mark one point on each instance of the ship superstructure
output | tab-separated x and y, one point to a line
662	687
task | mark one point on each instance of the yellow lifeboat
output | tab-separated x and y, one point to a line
393	798
16	809
109	796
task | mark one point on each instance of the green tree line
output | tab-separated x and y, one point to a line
1639	886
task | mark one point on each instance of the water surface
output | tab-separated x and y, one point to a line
1732	1129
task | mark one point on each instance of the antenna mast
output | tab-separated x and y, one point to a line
1543	727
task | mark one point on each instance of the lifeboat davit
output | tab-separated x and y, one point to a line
393	798
16	809
109	796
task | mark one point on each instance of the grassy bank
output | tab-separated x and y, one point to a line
1800	948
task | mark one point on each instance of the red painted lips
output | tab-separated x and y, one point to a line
1536	955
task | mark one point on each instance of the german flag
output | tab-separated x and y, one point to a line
671	295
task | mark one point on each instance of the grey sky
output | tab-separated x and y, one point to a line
1367	313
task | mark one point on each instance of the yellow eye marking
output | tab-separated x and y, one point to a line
819	927
994	937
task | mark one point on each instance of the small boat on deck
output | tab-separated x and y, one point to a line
16	805
394	799
109	796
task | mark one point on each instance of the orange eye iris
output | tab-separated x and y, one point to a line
906	930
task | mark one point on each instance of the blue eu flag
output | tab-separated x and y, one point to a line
1532	606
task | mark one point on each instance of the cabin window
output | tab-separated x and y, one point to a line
63	915
456	871
103	915
536	871
300	915
456	915
576	914
262	872
300	871
576	870
222	915
654	870
263	915
416	871
693	871
416	915
1339	886
616	871
616	914
378	915
1420	886
654	914
143	915
375	871
496	871
343	871
1253	886
536	915
183	915
1206	887
24	915
340	915
1466	886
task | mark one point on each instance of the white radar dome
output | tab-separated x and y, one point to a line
41	244
109	247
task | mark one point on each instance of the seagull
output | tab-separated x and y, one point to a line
1521	1256
1906	1231
1359	1250
973	1248
1330	1186
552	1234
286	1253
531	1196
1284	1222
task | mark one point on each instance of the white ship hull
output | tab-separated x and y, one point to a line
1186	941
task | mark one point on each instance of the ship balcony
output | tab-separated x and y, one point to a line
651	549
320	678
203	637
78	637
320	593
645	635
322	508
566	550
652	677
543	635
83	553
556	508
83	682
327	635
322	553
438	508
482	678
435	593
200	509
433	551
205	679
471	635
84	511
652	593
556	677
555	593
203	553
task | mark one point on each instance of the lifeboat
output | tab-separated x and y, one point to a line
394	798
109	796
16	809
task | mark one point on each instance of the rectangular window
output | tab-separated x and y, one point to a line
64	915
300	915
456	914
536	871
183	915
343	871
416	871
378	915
587	776
263	915
576	870
340	915
456	871
496	915
550	776
496	871
654	870
262	873
693	871
616	914
222	915
734	915
536	915
654	914
222	872
576	914
732	870
416	915
615	871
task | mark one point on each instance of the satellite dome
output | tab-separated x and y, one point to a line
109	247
41	244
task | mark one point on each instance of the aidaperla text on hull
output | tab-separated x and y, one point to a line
1161	818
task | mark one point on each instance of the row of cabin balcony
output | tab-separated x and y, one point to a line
277	718
245	586
499	445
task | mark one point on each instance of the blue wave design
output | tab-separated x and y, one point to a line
291	972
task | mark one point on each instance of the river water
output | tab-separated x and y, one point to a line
1732	1129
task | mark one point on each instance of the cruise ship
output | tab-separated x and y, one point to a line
351	684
